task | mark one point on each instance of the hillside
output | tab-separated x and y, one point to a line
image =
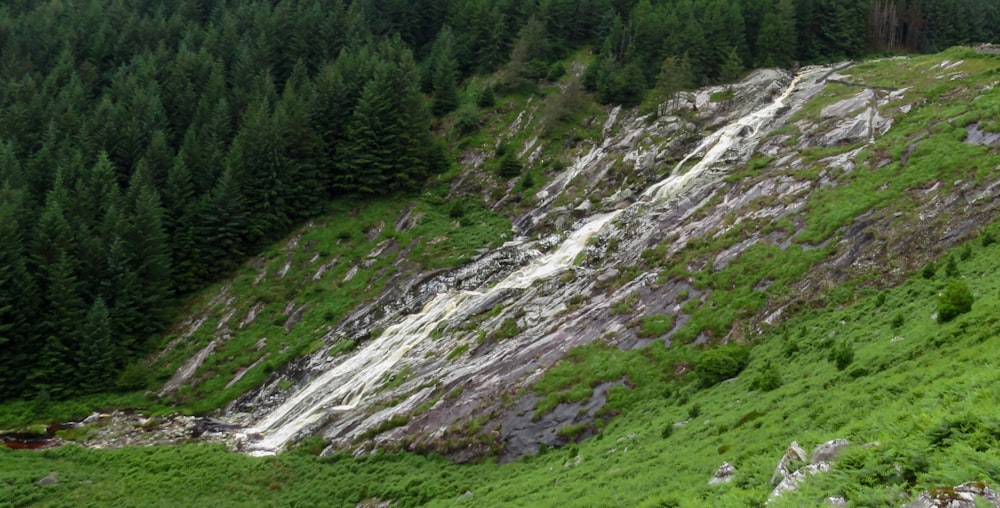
782	260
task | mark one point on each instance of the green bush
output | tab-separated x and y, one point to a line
928	270
988	239
487	97
769	379
721	363
466	120
135	377
510	166
954	301
842	355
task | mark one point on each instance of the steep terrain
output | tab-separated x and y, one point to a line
794	214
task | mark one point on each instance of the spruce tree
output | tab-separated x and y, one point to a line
444	73
96	354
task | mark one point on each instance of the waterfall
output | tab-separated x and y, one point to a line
344	386
716	145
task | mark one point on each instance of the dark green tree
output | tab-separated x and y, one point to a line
96	354
444	73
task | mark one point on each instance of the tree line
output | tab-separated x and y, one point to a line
148	146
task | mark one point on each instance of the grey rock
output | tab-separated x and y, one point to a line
793	454
828	451
966	495
836	502
52	477
724	474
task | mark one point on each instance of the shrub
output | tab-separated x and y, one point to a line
988	239
954	301
767	380
466	120
965	253
928	270
509	165
457	209
655	325
721	363
897	321
694	411
842	355
487	97
950	267
136	376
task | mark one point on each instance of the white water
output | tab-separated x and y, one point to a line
716	145
344	386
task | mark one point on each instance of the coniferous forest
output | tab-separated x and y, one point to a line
148	146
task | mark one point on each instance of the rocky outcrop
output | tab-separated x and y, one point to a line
791	472
966	495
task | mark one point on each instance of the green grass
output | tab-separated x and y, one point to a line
929	401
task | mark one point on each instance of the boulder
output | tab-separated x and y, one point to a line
828	451
786	465
51	478
724	474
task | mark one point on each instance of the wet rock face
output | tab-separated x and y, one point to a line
464	387
511	336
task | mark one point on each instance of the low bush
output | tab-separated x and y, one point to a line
721	363
954	301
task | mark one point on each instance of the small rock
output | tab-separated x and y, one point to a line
724	474
91	419
52	477
468	495
965	495
836	501
793	454
828	451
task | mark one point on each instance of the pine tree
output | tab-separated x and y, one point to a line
19	306
64	309
444	72
181	225
150	255
223	226
776	42
96	354
257	160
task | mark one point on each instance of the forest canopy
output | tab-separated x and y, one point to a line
147	147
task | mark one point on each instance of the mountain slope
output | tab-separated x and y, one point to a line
800	252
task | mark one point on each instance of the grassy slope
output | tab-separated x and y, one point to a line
923	391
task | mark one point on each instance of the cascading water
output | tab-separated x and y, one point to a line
340	388
343	387
717	144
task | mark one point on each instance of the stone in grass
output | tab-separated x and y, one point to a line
52	477
724	474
